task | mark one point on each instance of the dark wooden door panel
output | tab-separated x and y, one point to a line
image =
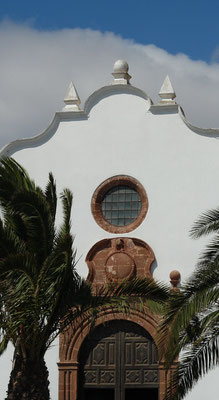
120	356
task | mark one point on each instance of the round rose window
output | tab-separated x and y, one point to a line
119	204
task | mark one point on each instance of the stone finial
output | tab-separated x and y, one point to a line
119	244
175	279
167	92
72	100
120	73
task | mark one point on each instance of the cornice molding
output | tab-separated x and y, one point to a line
111	90
43	137
92	100
161	109
210	132
60	116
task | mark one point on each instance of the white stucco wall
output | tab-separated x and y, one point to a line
177	165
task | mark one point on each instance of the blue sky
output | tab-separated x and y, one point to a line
189	26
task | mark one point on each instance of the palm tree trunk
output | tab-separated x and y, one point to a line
28	380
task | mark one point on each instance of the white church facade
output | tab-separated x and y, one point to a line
140	174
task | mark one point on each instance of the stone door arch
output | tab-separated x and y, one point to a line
112	260
118	361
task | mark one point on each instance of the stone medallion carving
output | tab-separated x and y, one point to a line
119	266
117	259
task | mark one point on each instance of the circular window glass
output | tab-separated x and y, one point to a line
119	204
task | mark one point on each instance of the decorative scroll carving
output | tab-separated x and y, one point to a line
118	259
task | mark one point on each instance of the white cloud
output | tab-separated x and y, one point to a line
37	66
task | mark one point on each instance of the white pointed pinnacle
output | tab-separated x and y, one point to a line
72	100
167	92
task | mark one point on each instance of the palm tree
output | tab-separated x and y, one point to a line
192	315
40	290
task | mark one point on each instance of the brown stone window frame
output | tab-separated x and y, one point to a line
99	194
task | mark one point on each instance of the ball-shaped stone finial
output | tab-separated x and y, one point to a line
175	278
121	66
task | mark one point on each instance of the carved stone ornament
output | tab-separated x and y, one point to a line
117	259
119	266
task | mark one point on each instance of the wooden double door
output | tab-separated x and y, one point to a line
118	361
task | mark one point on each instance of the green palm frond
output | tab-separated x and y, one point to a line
13	177
122	297
143	287
181	313
67	199
191	318
16	265
207	223
204	277
10	243
51	196
35	214
211	253
211	320
3	345
196	362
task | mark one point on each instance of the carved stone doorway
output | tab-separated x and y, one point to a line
118	361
